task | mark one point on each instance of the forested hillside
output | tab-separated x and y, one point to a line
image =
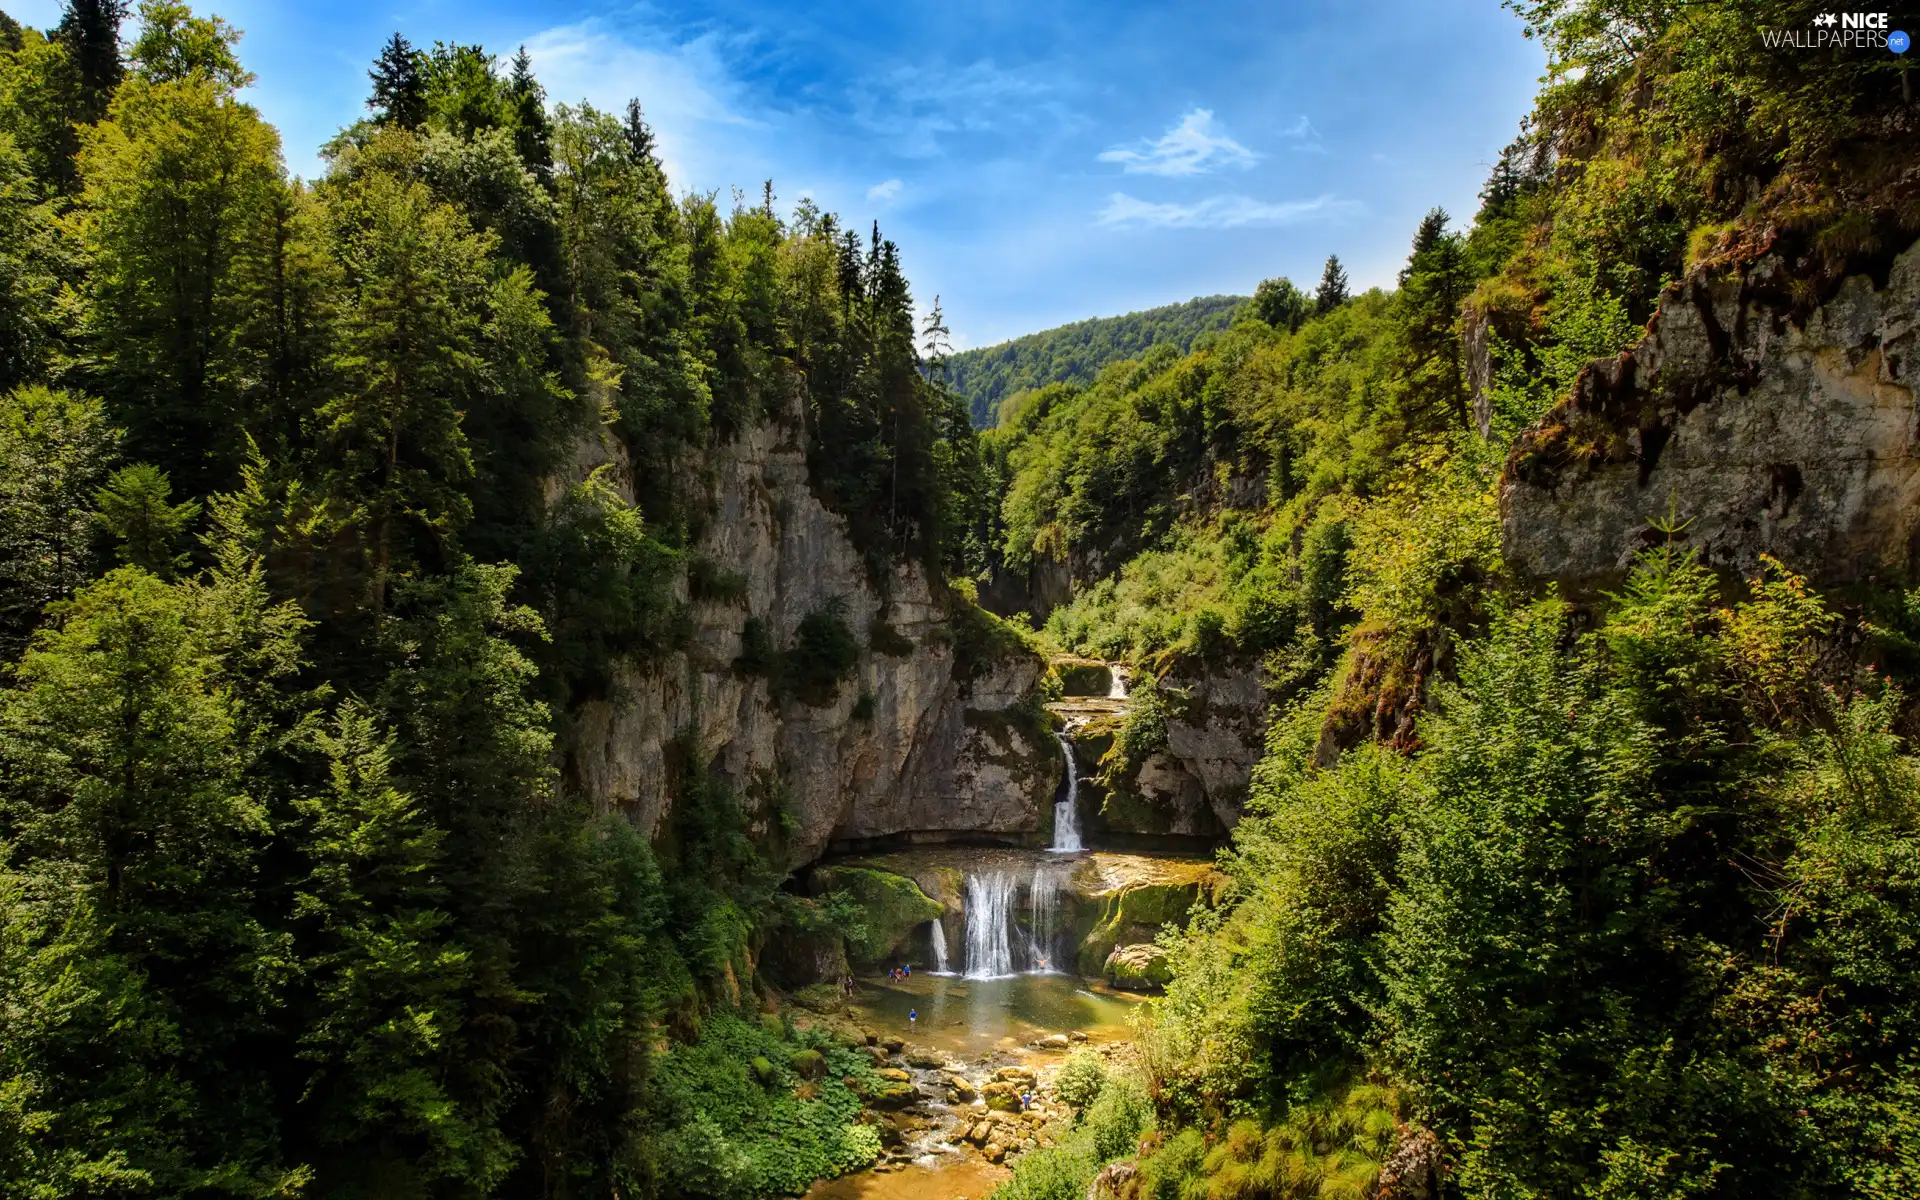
1603	886
1076	353
322	505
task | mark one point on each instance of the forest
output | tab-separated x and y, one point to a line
1610	892
1076	353
293	897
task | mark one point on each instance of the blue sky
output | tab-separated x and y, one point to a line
1037	163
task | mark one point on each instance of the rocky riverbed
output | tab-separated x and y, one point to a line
968	1082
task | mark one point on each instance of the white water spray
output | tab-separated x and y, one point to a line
1117	685
1043	903
939	948
1066	812
989	925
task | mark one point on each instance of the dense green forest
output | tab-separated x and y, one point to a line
1076	353
292	897
1599	895
1604	895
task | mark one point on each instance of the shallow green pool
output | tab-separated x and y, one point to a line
971	1017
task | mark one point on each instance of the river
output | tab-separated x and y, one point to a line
972	1028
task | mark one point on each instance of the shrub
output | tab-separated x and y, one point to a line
1081	1079
823	654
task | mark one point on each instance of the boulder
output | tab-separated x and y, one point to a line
892	907
1137	967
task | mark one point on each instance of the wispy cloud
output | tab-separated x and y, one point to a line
1304	137
916	112
687	86
1192	147
884	191
1223	212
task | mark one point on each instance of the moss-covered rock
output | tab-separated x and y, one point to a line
1083	676
808	1064
1138	967
892	907
763	1070
1136	898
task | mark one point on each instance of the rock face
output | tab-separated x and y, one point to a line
1768	434
1216	729
916	741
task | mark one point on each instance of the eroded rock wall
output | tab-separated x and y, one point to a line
1765	433
909	744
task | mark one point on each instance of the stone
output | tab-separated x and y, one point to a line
894	1075
995	1152
1077	1036
914	741
1769	428
920	1056
1018	1074
1054	1041
891	1096
1138	967
894	1045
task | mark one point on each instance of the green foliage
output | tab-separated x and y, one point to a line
55	448
727	1134
823	654
1109	1127
1078	353
890	908
1081	1078
133	510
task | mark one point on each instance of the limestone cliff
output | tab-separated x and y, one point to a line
932	733
1768	426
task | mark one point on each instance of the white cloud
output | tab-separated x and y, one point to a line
1190	148
1223	212
1304	137
689	94
885	191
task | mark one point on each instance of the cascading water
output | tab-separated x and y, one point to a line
1117	685
989	925
939	936
1043	904
1066	811
999	944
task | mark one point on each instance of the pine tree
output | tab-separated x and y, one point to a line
399	85
134	510
90	32
640	140
1433	285
532	132
1332	292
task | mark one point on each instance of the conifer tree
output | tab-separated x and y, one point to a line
399	88
1332	292
134	510
90	32
532	132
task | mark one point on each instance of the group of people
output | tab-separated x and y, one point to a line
896	974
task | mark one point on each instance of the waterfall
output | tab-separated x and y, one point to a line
998	943
939	948
1117	687
989	925
1043	901
1066	812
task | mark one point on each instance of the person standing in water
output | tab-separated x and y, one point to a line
913	1017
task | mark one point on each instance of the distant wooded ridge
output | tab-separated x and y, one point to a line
1076	353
